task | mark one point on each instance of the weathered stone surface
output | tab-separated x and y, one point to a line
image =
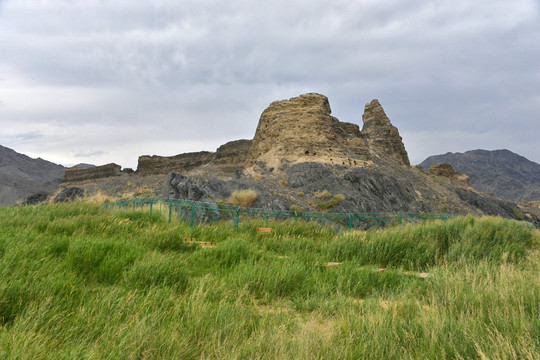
232	155
446	170
164	164
69	194
97	172
229	157
381	135
301	129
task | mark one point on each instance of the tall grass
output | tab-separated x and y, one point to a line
79	282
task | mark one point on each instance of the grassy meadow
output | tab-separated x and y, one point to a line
80	282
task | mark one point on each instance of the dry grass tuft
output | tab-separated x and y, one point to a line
243	197
323	195
97	198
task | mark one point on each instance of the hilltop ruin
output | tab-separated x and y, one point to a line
297	130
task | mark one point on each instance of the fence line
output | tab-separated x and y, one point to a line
203	212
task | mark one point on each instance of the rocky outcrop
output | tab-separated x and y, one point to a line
297	130
232	155
381	135
88	173
446	171
301	129
182	187
228	157
149	165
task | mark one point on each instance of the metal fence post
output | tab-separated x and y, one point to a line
170	211
236	218
350	220
192	215
151	201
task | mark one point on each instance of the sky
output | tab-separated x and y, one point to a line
99	81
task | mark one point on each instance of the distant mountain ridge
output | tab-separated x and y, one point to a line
22	176
503	173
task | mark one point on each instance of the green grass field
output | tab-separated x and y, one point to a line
78	282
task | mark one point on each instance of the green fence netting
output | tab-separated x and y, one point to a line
194	212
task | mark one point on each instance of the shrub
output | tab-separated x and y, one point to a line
243	197
324	206
323	195
517	214
297	209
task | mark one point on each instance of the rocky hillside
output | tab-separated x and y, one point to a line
22	176
500	172
303	158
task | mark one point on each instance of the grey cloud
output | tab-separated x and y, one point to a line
89	154
205	70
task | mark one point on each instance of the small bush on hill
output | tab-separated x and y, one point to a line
327	205
243	197
323	194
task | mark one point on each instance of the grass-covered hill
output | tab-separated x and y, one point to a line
80	282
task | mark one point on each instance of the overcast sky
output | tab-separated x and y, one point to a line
101	81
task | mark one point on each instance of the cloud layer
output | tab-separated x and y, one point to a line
107	81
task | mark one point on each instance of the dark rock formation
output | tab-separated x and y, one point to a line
22	176
182	187
381	135
97	172
501	172
493	206
69	194
365	190
35	199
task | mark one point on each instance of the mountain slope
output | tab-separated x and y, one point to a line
22	176
503	173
